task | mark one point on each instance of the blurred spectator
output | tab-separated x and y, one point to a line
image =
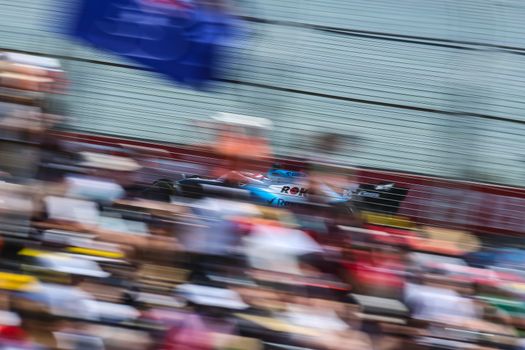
211	316
110	176
10	327
433	302
75	336
20	133
161	190
273	247
377	271
213	242
56	161
241	144
327	180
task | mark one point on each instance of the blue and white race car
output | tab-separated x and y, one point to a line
286	188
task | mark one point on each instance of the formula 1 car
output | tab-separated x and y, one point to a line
286	188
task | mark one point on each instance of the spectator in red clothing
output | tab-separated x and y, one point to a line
378	271
10	327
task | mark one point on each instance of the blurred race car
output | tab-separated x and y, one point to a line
286	188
